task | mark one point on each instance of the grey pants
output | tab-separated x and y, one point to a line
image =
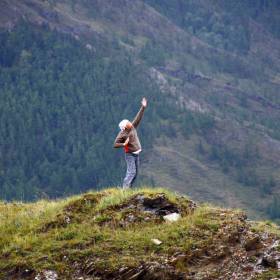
132	162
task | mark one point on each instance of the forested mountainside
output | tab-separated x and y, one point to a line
60	110
71	70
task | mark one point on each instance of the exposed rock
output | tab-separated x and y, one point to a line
156	241
173	217
253	243
269	261
159	204
46	275
178	258
151	271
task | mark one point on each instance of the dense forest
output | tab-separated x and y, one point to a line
60	105
223	24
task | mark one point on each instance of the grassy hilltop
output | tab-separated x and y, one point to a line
108	235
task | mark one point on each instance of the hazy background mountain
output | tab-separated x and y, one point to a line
71	70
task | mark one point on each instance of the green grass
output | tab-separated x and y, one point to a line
36	236
267	226
268	275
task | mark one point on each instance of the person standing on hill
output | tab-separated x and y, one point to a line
128	139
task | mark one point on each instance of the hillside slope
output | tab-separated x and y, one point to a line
116	234
216	65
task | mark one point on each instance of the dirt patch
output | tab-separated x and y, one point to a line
141	208
20	272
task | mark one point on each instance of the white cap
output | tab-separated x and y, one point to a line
123	124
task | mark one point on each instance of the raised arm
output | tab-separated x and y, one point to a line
140	114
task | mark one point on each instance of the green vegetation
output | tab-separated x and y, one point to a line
34	236
54	234
268	275
274	208
221	29
266	226
103	232
208	68
225	23
60	105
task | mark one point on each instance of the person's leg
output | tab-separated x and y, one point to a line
130	171
136	159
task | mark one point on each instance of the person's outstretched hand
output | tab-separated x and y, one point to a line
144	102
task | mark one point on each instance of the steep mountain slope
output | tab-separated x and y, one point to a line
117	234
59	107
220	138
